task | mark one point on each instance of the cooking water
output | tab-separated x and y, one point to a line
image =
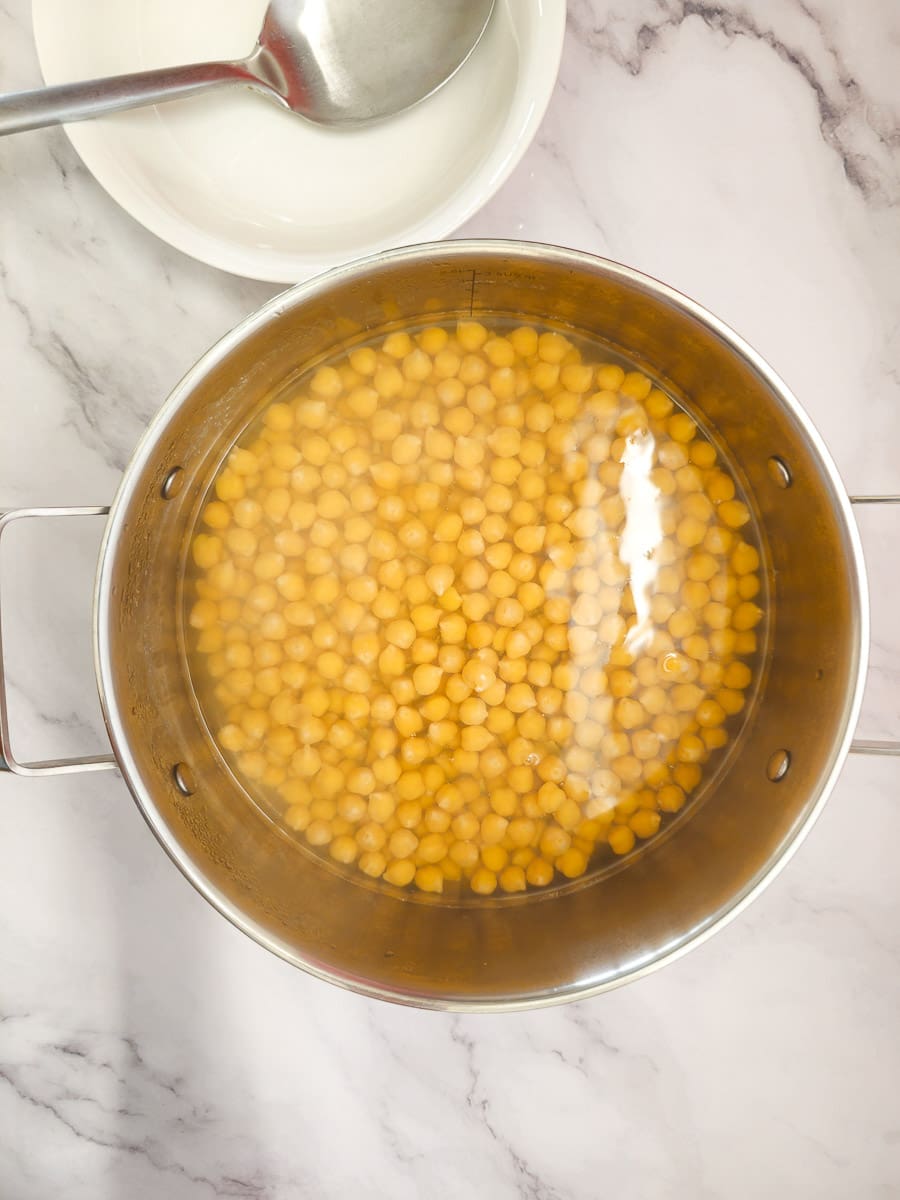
475	608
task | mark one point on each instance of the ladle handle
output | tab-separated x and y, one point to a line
861	745
20	111
55	766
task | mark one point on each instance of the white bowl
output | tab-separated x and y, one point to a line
232	180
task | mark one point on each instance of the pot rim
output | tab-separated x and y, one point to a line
145	450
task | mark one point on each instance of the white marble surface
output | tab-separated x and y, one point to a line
746	153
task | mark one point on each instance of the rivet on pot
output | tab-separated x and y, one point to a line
173	483
184	779
778	765
780	472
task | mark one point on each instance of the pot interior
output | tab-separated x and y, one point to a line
512	950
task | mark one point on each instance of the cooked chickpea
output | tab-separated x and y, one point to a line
400	872
483	882
412	621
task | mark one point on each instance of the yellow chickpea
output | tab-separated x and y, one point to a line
644	823
372	863
429	879
621	839
401	872
412	612
512	879
572	863
483	882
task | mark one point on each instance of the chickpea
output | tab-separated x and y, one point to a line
411	619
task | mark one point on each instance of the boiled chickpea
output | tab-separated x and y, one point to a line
411	617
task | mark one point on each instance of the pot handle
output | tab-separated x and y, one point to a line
861	746
56	766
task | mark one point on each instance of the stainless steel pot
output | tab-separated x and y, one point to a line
515	952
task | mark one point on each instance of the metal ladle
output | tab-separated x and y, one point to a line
334	62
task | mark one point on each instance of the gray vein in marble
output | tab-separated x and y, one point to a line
842	102
528	1183
819	1145
225	1186
855	920
383	1110
72	721
82	388
588	1022
8	13
565	165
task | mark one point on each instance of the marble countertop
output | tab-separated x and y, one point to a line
747	153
